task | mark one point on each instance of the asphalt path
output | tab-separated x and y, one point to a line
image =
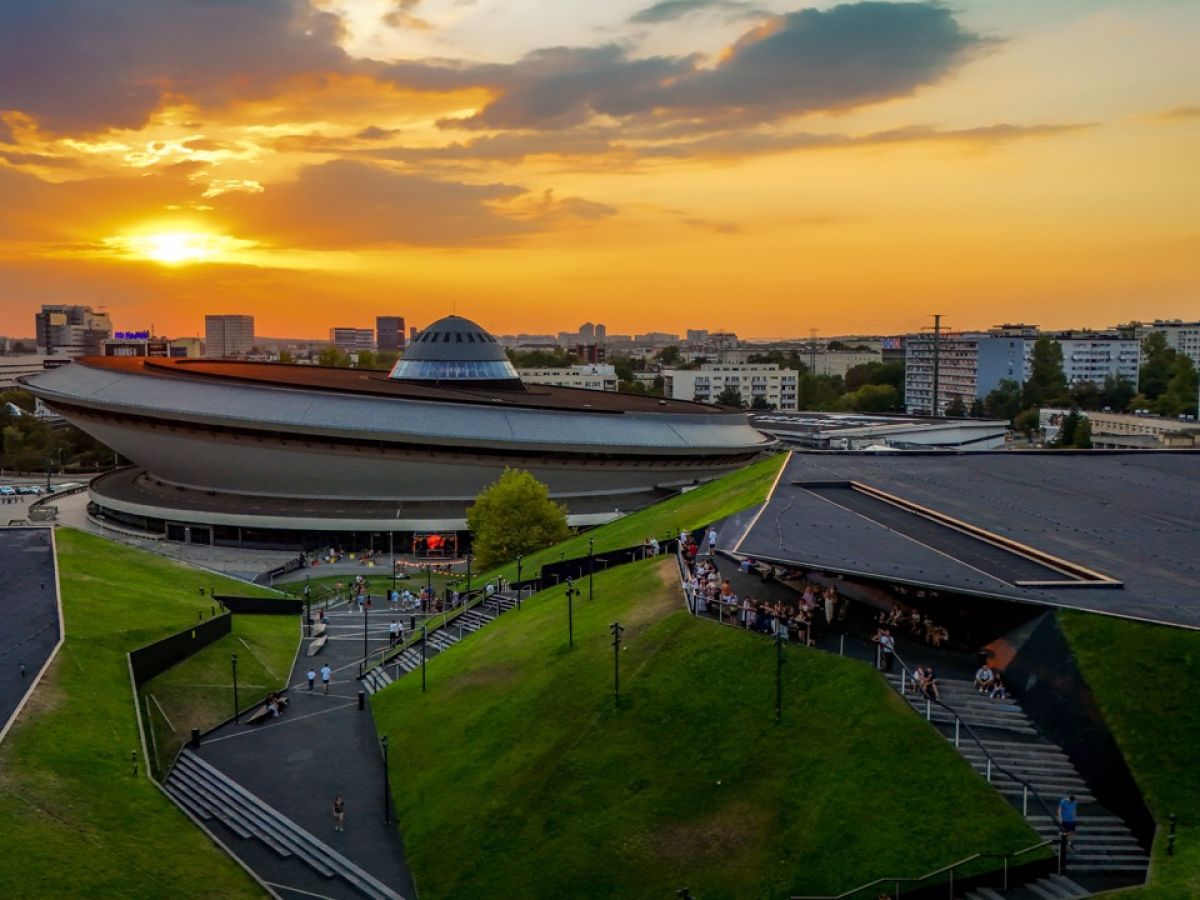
29	626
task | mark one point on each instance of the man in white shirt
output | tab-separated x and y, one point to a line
984	679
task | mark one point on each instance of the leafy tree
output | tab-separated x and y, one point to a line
1179	397
286	356
1005	401
1155	372
871	398
670	356
817	392
789	360
857	376
1083	434
365	359
1047	385
1027	422
1117	392
514	515
956	408
730	396
541	359
1086	395
760	403
333	356
1067	429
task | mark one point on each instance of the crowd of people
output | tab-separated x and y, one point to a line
915	623
989	683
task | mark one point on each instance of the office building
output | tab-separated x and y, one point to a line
135	343
1094	357
64	330
352	339
589	377
762	382
228	336
389	333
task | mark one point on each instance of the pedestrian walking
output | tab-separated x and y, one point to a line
712	541
312	679
339	813
1067	818
887	649
326	674
393	633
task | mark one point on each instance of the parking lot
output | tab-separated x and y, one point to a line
29	607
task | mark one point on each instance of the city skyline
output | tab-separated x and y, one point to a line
763	168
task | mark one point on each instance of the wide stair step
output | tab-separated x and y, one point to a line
199	786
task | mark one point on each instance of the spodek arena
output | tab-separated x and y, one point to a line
270	455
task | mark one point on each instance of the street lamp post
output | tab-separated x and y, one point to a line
387	790
617	628
778	676
571	592
308	603
470	557
424	637
392	552
519	558
366	618
591	567
236	713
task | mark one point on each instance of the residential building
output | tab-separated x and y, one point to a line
64	330
1181	336
839	362
1127	431
954	367
228	336
593	354
352	339
656	338
764	382
590	377
389	333
697	335
1089	356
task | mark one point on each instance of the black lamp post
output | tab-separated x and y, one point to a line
470	557
591	567
366	618
571	592
308	603
392	552
424	638
236	713
778	676
617	628
387	790
519	558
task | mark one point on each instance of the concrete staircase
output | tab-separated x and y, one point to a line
209	794
439	640
1052	887
1103	848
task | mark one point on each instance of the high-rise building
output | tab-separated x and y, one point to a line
352	339
1095	356
64	330
389	332
228	336
601	332
587	332
1181	336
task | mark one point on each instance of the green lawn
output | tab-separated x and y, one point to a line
379	582
76	822
525	759
198	692
695	509
1141	677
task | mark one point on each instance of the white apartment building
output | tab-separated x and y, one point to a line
1181	336
957	371
228	336
590	377
839	362
1097	356
761	381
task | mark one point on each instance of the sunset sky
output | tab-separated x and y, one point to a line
764	167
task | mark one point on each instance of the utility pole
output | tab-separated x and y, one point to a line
387	789
778	676
571	592
236	714
591	567
617	628
424	638
937	361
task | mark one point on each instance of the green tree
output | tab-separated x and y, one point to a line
1067	429
1027	422
1047	385
670	356
541	359
760	403
1004	402
1155	372
514	515
871	398
333	356
956	408
365	359
1117	392
1179	397
730	396
286	357
1086	395
1083	434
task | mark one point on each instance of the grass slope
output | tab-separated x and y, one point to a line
698	507
198	692
76	822
516	776
1141	675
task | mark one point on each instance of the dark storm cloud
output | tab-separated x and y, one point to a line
810	60
670	10
82	65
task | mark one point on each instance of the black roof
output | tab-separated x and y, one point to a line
1115	532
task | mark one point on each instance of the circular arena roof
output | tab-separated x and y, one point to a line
456	349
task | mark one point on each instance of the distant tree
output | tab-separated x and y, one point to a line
1179	397
1083	434
1067	429
760	403
385	359
1027	422
956	408
836	345
818	392
857	376
1004	402
1117	392
1086	395
730	396
1047	385
669	356
871	398
789	360
1155	371
285	356
514	515
541	359
333	356
365	359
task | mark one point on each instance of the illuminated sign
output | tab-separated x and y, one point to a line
132	335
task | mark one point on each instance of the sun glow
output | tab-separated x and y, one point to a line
178	248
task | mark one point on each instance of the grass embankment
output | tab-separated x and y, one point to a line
76	822
198	692
697	508
1141	676
532	783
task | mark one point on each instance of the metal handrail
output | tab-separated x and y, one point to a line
897	881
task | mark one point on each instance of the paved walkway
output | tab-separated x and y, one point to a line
322	746
28	610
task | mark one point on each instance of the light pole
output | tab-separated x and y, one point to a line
778	676
387	790
470	557
308	603
392	551
424	637
617	628
519	557
366	618
571	592
591	567
236	713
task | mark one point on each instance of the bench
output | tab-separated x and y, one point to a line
319	629
262	713
316	646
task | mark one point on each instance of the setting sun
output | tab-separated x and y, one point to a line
177	248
